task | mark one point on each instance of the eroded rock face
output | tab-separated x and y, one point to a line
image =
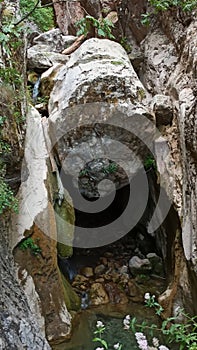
175	44
67	14
21	322
39	221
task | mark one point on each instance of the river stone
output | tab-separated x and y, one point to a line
116	295
156	262
139	266
134	291
123	270
99	270
87	271
98	294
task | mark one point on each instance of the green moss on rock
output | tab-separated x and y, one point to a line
65	219
72	300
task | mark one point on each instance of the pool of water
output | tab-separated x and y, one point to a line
112	316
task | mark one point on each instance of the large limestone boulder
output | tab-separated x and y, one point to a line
96	104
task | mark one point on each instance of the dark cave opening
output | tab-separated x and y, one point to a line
135	242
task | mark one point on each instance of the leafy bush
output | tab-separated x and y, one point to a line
110	169
164	5
42	16
103	27
149	163
29	243
7	199
11	97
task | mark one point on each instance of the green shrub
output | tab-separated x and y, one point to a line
110	169
7	199
164	5
42	16
103	27
29	243
149	163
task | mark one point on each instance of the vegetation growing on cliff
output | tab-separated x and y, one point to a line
42	16
164	5
29	243
102	27
12	92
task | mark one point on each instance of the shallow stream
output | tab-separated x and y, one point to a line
112	316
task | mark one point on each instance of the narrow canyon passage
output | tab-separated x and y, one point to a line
111	280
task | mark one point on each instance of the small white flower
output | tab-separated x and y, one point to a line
116	346
163	347
146	296
99	349
99	324
155	342
126	322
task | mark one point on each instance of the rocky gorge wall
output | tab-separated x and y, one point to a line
156	80
164	57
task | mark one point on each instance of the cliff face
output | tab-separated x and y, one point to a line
170	69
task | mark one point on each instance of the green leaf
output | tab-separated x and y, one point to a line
104	343
132	324
101	32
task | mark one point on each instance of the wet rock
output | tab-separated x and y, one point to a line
99	270
156	262
87	271
100	280
134	292
84	300
116	296
103	260
71	298
123	269
48	79
124	279
98	294
108	254
115	276
139	266
79	279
